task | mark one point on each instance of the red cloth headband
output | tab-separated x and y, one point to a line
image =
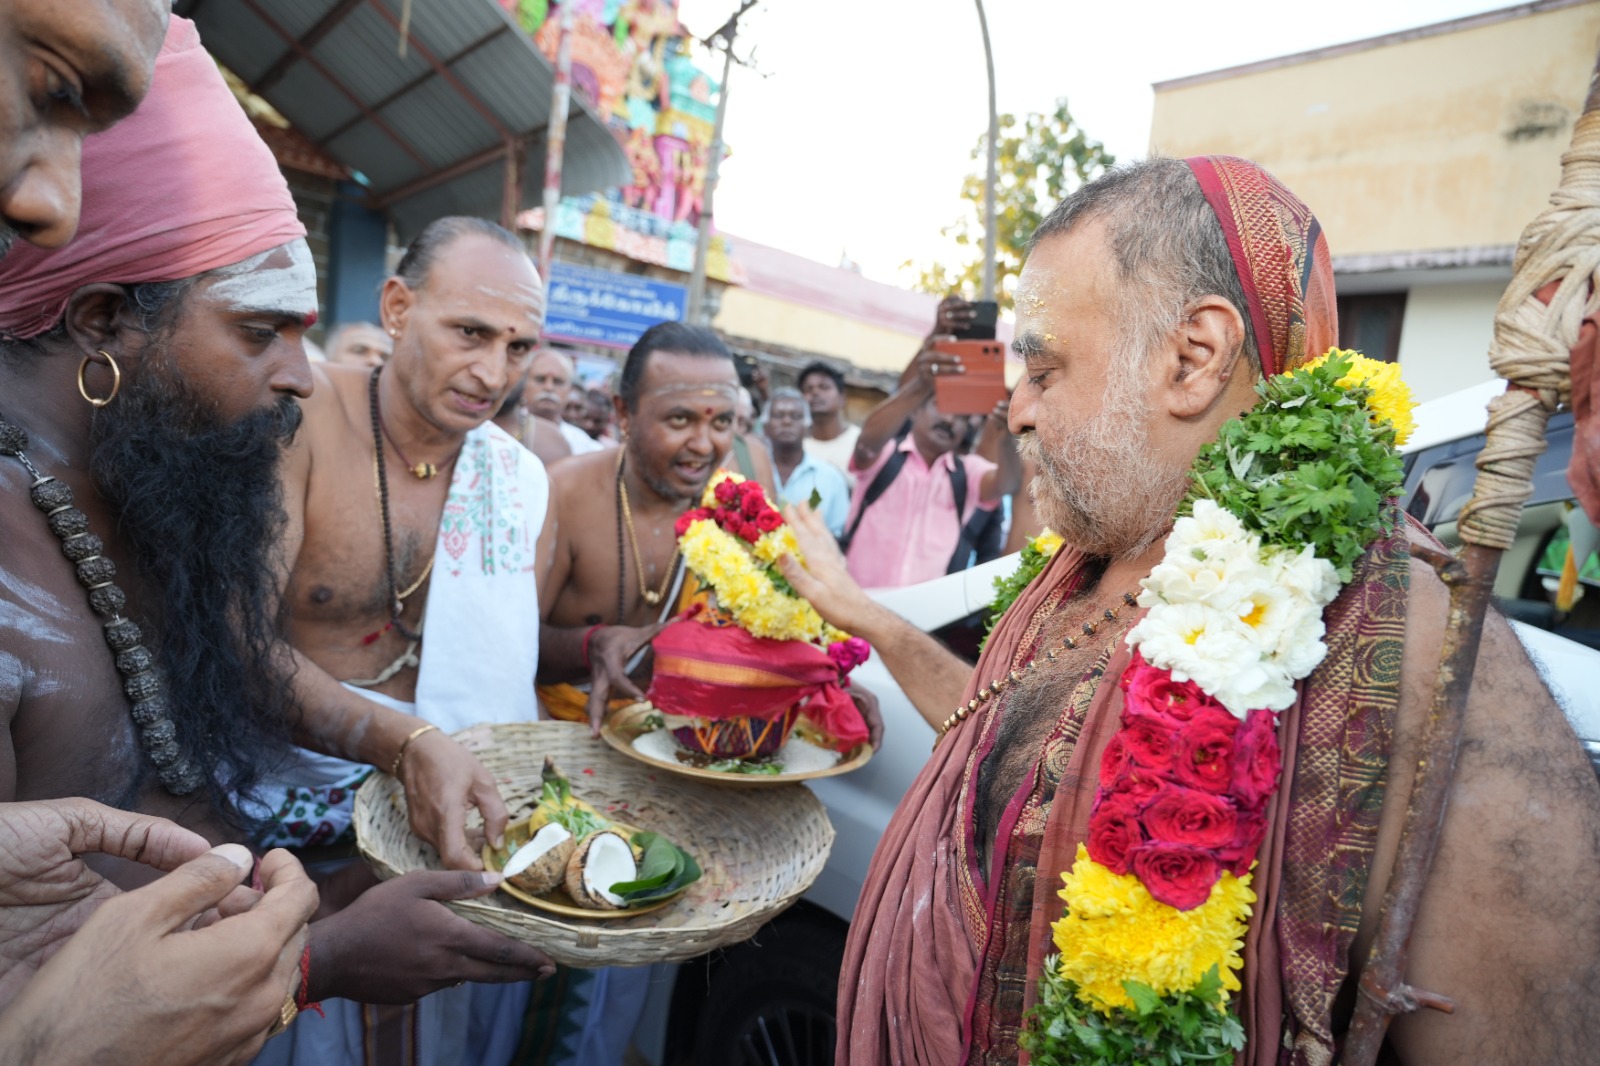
1281	256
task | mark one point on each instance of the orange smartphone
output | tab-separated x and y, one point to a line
981	387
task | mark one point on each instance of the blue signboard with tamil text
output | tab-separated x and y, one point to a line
605	308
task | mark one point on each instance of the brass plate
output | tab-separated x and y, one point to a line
556	901
624	725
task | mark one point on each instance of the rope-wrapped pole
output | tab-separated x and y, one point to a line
1533	334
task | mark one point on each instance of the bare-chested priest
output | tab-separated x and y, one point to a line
415	534
616	573
88	972
150	372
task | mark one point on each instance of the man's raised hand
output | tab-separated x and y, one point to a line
823	580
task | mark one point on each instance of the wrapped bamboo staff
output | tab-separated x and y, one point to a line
1532	339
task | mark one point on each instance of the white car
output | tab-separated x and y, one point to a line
770	1001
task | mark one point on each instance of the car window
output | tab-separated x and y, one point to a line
1439	480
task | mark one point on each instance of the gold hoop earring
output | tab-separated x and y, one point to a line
116	380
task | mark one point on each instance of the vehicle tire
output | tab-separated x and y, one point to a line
771	1001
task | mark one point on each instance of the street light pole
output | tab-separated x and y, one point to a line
990	175
695	312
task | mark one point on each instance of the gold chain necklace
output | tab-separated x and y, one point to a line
649	595
997	686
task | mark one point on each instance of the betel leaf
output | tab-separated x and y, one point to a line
686	872
660	862
815	500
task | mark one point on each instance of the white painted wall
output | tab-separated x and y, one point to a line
1444	338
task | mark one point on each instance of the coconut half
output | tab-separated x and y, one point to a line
541	863
603	859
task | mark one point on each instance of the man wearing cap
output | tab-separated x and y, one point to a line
1152	301
150	373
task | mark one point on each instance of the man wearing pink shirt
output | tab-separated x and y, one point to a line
914	490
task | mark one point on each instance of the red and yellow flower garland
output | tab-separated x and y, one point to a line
732	543
1159	897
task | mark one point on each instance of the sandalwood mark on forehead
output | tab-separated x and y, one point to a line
700	392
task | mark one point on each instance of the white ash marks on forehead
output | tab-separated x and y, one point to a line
514	292
515	307
682	391
1030	299
281	279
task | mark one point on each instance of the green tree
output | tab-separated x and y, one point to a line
1042	158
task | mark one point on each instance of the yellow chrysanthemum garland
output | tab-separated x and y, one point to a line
741	573
1391	399
1114	931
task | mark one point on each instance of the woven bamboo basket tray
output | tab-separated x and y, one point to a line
759	848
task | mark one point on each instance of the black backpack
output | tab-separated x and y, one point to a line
890	470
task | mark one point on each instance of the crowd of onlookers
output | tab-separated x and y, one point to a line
911	492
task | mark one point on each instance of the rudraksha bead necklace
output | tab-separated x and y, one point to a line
141	677
999	684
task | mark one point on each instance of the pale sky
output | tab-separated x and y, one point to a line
857	139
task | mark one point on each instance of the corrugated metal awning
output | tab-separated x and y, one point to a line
430	130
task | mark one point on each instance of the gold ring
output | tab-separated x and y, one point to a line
285	1015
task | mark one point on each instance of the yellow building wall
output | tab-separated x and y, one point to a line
766	318
1444	337
1433	143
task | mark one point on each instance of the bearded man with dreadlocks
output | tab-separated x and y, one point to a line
151	373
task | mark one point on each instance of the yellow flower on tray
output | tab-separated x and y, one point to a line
1114	931
1391	397
742	575
1047	543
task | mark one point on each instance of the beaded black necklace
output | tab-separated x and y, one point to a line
141	679
397	599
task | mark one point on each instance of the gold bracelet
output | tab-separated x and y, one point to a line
286	1014
394	771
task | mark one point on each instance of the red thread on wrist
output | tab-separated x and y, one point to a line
305	985
586	635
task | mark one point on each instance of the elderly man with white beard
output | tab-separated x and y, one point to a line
1152	302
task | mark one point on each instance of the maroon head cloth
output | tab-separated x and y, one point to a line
1282	258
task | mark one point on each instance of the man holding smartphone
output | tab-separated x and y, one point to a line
914	491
